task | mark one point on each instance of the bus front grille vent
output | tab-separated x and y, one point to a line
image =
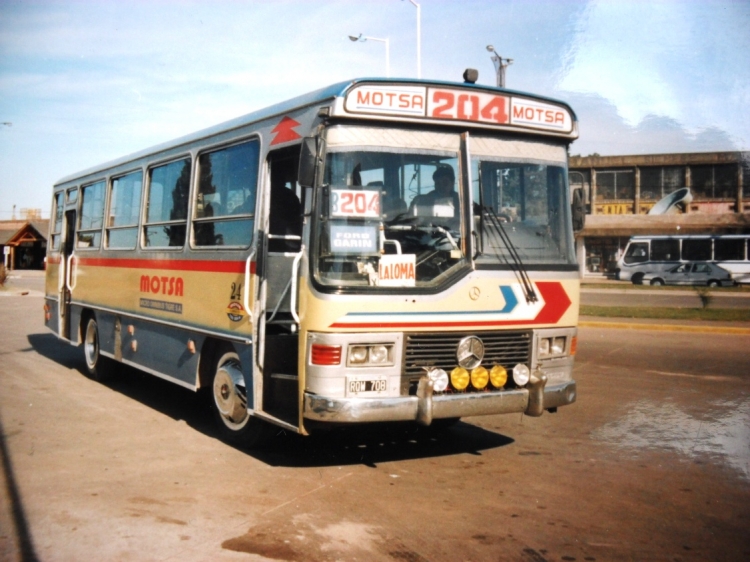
439	350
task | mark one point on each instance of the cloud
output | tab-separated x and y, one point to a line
685	61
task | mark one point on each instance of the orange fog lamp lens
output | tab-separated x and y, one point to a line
479	377
573	345
459	378
498	376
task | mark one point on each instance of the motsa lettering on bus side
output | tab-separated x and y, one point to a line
162	285
391	100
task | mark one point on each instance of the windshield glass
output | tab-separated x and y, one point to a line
389	216
520	190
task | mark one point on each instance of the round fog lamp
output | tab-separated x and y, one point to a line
459	378
521	374
439	379
498	376
479	378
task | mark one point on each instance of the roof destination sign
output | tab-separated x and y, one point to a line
454	104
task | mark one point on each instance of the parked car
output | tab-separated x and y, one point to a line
691	273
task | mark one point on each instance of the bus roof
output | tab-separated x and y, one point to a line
400	100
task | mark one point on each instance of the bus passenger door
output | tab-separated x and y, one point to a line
65	278
280	342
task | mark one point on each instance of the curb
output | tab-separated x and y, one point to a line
666	327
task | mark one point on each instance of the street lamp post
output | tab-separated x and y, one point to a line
362	39
500	65
419	38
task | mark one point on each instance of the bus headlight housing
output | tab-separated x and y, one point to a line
549	347
370	355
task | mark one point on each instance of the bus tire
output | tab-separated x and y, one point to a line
229	402
637	279
713	283
98	367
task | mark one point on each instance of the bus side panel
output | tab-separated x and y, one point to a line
158	348
51	318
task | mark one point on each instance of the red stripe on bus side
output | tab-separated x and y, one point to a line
170	265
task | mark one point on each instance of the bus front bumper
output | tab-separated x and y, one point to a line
426	406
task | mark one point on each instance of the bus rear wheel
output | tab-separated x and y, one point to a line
98	367
229	402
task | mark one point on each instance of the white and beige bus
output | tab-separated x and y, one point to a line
377	250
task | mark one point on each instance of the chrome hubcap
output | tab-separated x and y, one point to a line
229	397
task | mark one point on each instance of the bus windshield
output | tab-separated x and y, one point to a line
528	201
391	208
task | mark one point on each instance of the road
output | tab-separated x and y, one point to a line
651	463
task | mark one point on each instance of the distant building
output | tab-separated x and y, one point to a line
621	190
24	243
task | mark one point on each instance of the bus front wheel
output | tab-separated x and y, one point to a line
229	402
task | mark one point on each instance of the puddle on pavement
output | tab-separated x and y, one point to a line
723	433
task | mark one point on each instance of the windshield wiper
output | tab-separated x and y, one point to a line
496	226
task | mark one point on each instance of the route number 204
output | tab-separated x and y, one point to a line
351	203
447	104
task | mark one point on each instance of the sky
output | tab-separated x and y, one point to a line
84	82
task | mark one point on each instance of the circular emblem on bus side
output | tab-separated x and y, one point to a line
470	352
474	293
235	311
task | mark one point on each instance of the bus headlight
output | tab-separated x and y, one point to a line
551	346
357	355
378	354
521	374
373	355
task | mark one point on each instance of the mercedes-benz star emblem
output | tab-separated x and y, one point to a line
470	352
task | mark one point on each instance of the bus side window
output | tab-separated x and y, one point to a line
637	253
285	214
92	216
665	250
224	210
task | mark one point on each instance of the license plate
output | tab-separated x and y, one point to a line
359	387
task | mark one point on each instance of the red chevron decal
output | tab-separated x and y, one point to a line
285	131
556	302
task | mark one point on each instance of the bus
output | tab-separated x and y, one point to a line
377	250
654	254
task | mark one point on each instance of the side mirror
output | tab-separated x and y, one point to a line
578	210
307	160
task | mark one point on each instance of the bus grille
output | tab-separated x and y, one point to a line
439	350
